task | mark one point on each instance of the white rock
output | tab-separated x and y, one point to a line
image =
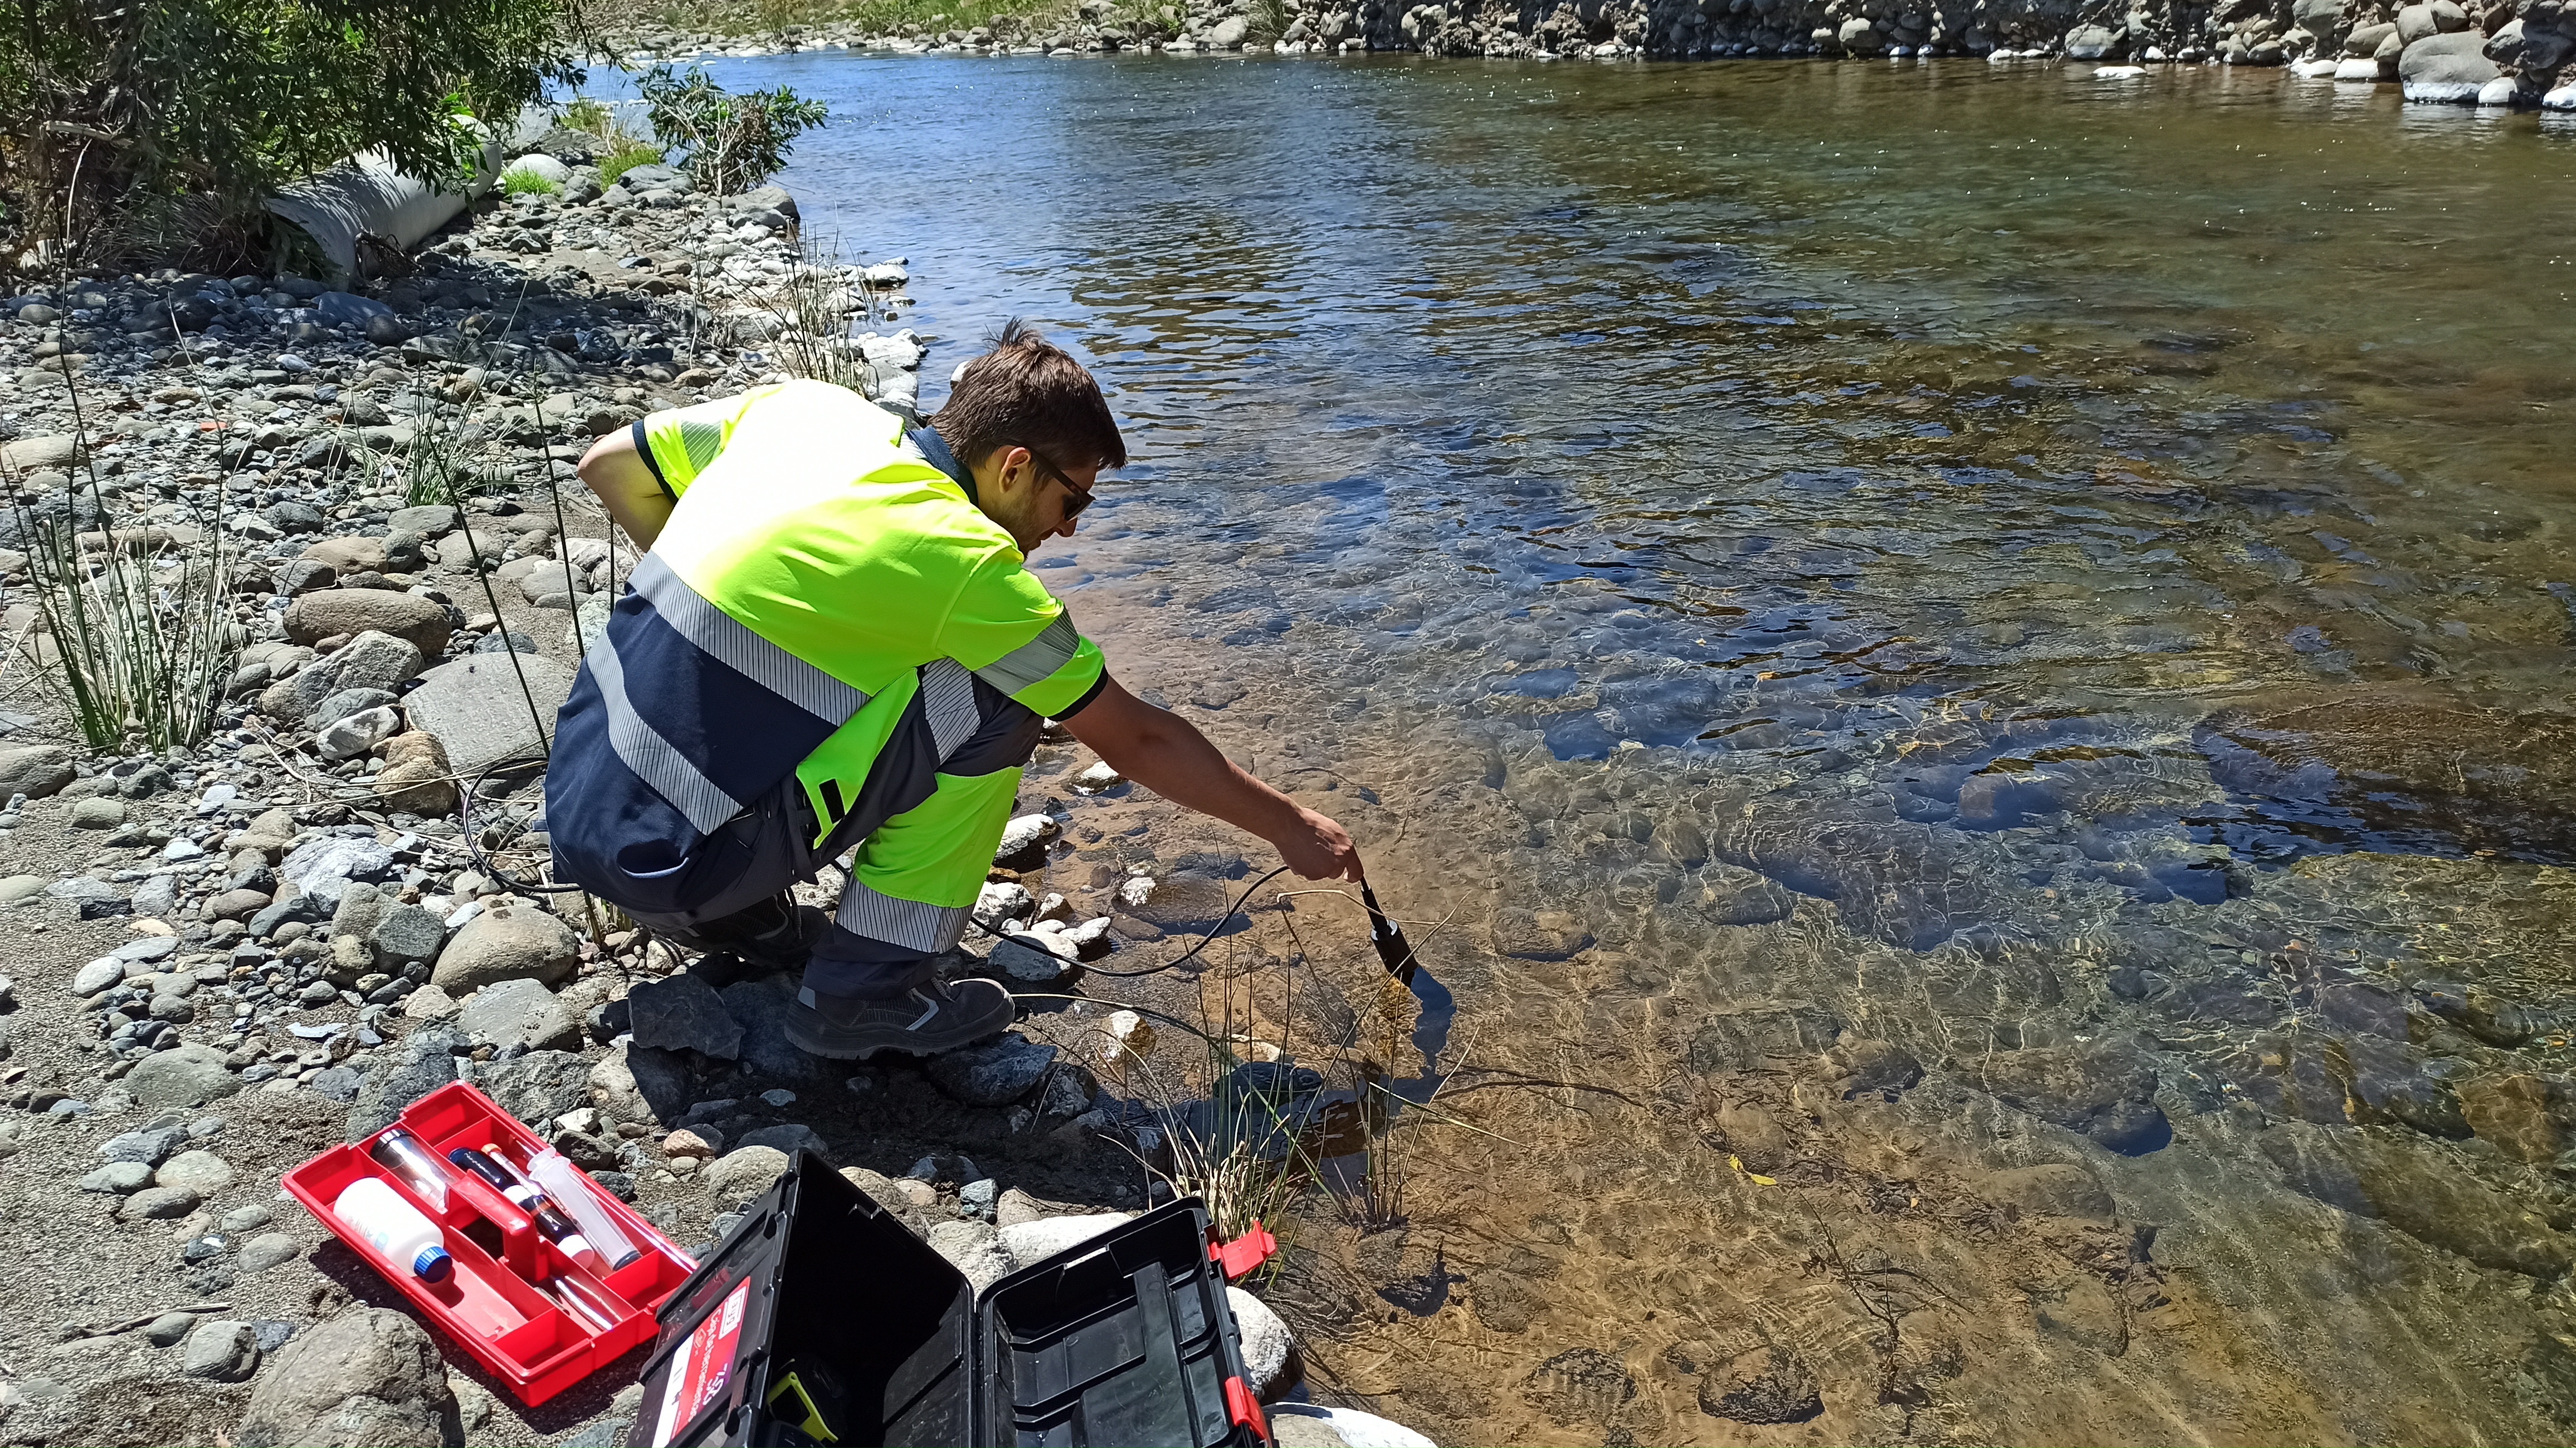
1003	900
1090	939
2497	92
1268	1350
2561	99
429	1003
2316	69
2120	72
1036	1241
540	165
2357	68
1131	1038
1355	1428
1136	891
1097	778
974	1249
359	733
1025	833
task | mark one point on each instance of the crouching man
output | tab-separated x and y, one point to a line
834	646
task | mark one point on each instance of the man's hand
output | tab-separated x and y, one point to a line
1161	751
1318	848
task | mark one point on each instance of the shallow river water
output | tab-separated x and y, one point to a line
1966	669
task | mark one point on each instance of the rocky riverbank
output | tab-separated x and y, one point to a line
226	958
2496	53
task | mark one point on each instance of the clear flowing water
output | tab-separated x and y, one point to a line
1810	573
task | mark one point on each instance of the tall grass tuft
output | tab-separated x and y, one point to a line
136	661
811	307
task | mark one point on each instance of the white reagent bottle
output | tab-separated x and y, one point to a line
395	1228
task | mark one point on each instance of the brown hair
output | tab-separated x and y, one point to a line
1029	392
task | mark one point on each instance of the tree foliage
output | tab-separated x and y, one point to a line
131	125
735	139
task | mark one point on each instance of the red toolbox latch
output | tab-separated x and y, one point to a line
1243	1408
1244	1255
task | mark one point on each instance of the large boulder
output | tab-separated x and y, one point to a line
2096	42
2447	69
334	612
373	660
2415	1191
480	714
518	1015
35	770
2323	19
368	1378
188	1075
507	942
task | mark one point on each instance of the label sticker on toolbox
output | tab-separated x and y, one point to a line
703	1366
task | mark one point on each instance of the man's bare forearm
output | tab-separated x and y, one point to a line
1166	754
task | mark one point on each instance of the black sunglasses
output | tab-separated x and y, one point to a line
1081	498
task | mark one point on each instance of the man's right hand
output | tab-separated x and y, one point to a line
1318	848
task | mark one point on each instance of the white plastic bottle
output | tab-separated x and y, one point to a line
395	1228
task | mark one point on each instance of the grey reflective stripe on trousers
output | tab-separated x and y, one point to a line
728	640
1037	660
929	929
654	761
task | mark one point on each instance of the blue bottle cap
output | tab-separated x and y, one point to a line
432	1265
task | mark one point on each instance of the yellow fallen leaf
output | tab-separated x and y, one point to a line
1755	1177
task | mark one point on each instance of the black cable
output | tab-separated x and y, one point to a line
1183	958
473	840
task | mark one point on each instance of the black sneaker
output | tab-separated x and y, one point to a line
776	934
929	1019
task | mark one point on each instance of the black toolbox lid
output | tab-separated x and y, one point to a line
1122	1339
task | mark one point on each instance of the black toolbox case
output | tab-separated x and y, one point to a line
1124	1339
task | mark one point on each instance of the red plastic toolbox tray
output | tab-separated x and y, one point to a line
488	1303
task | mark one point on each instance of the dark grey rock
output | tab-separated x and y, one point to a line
150	1145
422	1065
406	935
995	1074
683	1013
222	1349
761	1007
537	1087
92	899
787	1137
337	1083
